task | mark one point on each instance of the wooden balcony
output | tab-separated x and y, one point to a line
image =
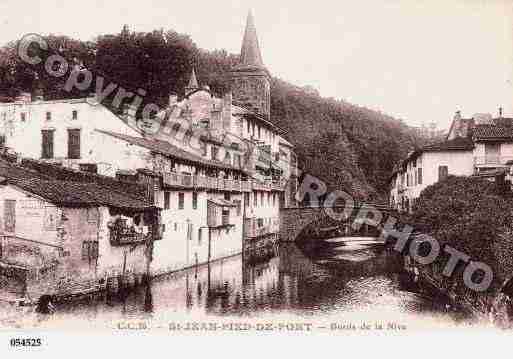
177	180
492	160
267	185
173	179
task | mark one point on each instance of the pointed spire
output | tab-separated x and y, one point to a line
193	82
250	51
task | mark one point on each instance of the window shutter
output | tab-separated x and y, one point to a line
47	144
94	249
85	250
74	144
443	172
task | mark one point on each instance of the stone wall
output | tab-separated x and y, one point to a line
294	220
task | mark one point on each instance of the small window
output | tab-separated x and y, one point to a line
443	172
419	175
194	200
74	115
92	215
90	250
215	153
199	236
228	158
167	200
262	199
255	199
48	116
227	196
181	200
23	117
239	207
85	250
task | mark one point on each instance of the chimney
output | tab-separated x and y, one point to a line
500	112
227	111
457	123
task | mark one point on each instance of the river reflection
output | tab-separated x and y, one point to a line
350	283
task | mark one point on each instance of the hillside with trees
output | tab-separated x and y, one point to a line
349	147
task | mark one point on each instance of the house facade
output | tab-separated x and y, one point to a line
477	146
57	235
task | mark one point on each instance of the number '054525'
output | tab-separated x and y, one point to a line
25	342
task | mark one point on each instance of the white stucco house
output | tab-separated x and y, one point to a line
477	146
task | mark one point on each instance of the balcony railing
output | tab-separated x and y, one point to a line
492	160
172	179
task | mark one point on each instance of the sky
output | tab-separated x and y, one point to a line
416	60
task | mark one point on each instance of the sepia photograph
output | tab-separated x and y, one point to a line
188	169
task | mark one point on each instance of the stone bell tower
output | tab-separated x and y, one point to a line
251	85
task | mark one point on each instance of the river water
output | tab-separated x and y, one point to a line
359	286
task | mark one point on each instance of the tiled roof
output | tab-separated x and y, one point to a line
167	149
458	143
482	132
76	192
82	194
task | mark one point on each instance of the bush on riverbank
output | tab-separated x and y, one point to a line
469	214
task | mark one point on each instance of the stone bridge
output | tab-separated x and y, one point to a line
299	221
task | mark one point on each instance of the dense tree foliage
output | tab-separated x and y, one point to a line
349	147
468	214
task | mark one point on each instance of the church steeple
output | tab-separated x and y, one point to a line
250	80
250	51
193	82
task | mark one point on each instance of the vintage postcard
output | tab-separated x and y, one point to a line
209	168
